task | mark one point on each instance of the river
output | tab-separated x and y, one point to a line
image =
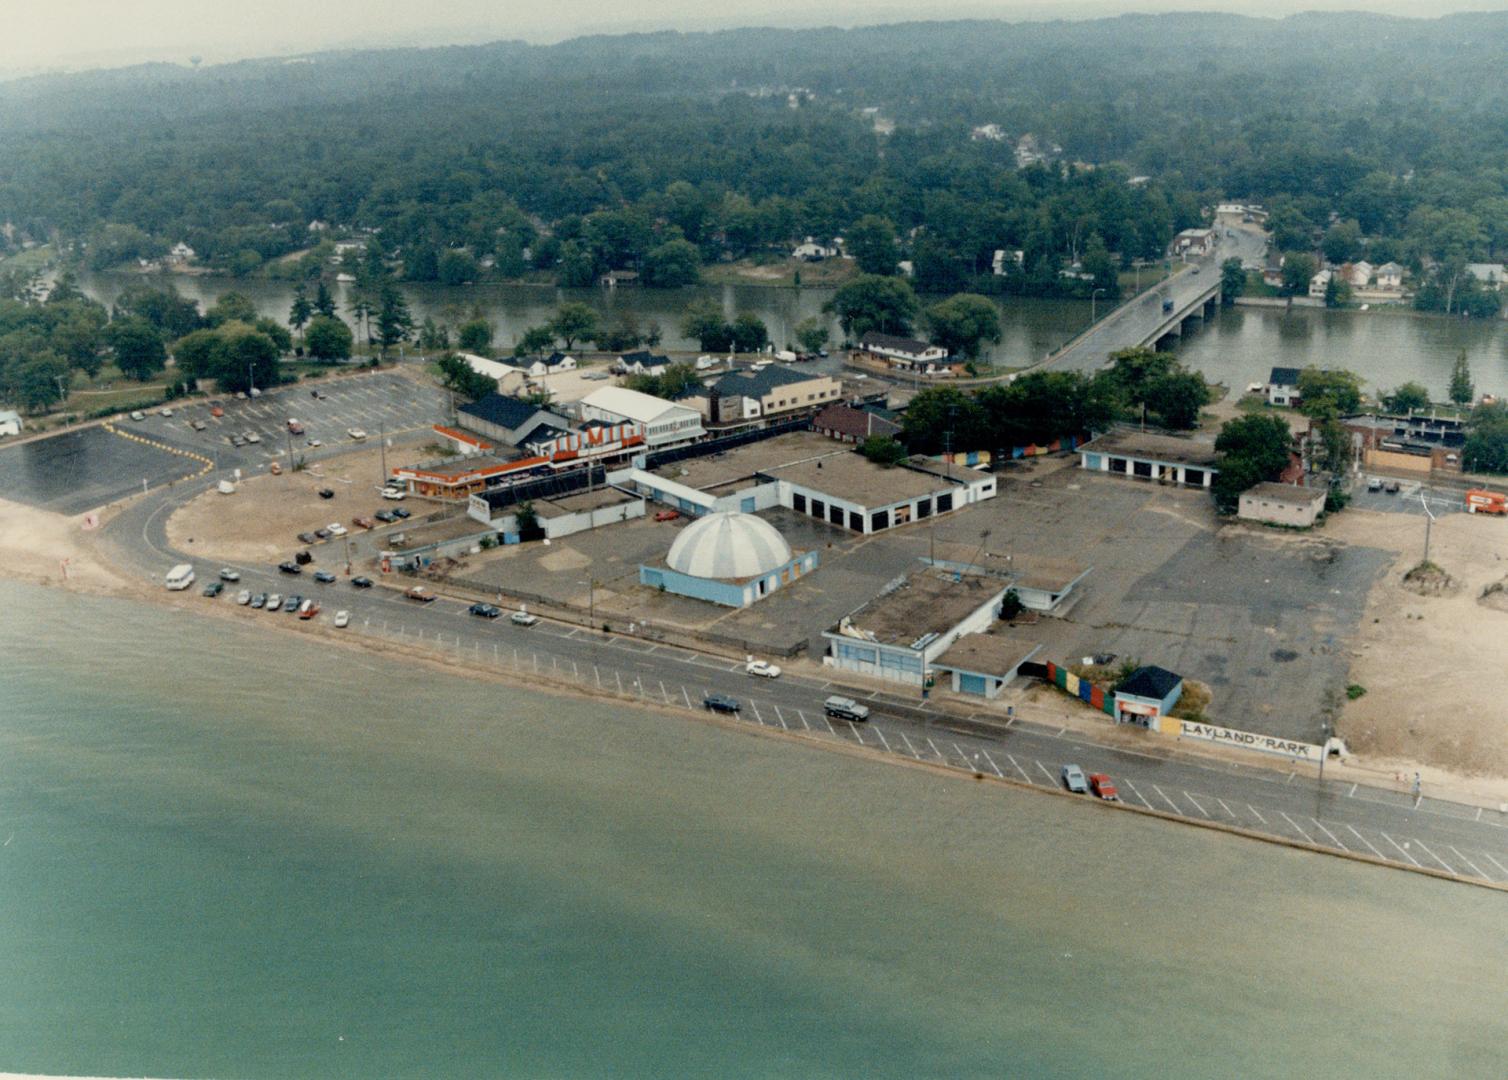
232	852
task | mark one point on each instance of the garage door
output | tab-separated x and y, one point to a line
971	684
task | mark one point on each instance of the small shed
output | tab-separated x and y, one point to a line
1282	504
1150	692
10	422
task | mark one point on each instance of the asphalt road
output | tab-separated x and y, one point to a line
1375	822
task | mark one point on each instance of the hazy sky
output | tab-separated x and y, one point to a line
45	34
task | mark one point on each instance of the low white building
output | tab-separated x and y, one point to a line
1390	276
1282	504
811	251
10	422
538	366
665	423
1319	283
1194	242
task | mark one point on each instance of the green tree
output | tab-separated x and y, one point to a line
1298	268
456	374
301	311
871	242
137	346
421	262
1251	449
573	320
475	336
1098	263
535	340
248	358
704	321
883	450
37	385
963	323
812	334
394	323
432	335
456	267
1486	448
749	332
324	303
1409	397
672	264
231	306
1337	291
1176	399
1328	393
872	302
576	269
328	338
1461	389
1232	281
1342	243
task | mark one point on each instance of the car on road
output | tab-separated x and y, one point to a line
394	493
243	597
523	618
1197	269
326	493
356	433
336	528
227	574
420	594
364	522
485	611
843	708
667	515
1167	305
274	601
1374	484
402	513
387	517
1074	779
342	620
721	703
1103	787
259	600
291	604
216	411
308	609
762	668
324	577
288	566
307	538
322	534
214	588
361	582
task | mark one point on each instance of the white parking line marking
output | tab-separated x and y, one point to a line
1488	856
1226	808
1050	778
883	741
855	731
829	723
1256	813
804	724
991	760
1297	827
1364	840
1176	808
1195	801
1432	855
755	706
1139	795
1469	863
909	746
779	717
967	764
687	696
1401	851
1330	834
1017	766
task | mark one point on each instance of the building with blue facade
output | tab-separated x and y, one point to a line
1150	692
728	558
1165	458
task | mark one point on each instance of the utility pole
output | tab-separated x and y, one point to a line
1092	298
1429	519
382	448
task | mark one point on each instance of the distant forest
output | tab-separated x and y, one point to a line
658	153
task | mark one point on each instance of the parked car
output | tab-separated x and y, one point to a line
322	534
386	516
361	583
295	427
1392	487
420	594
1074	779
307	538
1374	484
308	609
364	522
243	597
523	618
214	588
165	411
303	558
251	437
401	513
259	600
667	515
237	441
288	566
842	708
198	425
763	668
485	611
291	604
227	574
721	703
394	493
356	433
1104	787
326	493
342	619
324	577
336	528
274	601
137	414
216	411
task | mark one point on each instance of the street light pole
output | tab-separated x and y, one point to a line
1092	297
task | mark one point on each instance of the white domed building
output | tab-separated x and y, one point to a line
730	559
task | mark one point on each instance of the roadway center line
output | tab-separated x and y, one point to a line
1364	840
1176	808
1401	851
1297	827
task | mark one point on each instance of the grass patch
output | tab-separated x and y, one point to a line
1255	286
1354	691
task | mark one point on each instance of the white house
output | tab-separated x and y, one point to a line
1003	261
1319	283
537	366
641	362
1357	274
180	253
665	423
1390	276
509	378
1283	386
1194	242
811	251
902	352
10	422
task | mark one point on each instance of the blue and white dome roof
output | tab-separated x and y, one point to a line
728	545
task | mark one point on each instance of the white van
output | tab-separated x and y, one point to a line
180	577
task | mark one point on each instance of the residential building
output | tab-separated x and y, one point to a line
508	420
1319	284
1194	242
1005	262
811	251
613	278
1282	504
538	366
1283	386
1358	274
1489	274
665	423
10	422
907	354
641	362
510	379
846	423
1390	276
1164	458
772	392
1150	692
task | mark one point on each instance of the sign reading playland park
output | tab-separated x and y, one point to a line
1246	740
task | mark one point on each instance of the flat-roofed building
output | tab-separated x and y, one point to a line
984	663
665	423
1282	504
1165	458
768	393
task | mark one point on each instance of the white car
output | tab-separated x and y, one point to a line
138	415
342	619
763	668
314	442
356	433
243	597
394	493
523	618
336	528
252	437
275	601
164	411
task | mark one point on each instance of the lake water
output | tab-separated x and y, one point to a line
226	852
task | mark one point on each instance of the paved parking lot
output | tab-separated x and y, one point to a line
1406	499
82	469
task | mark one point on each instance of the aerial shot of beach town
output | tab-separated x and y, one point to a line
745	542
